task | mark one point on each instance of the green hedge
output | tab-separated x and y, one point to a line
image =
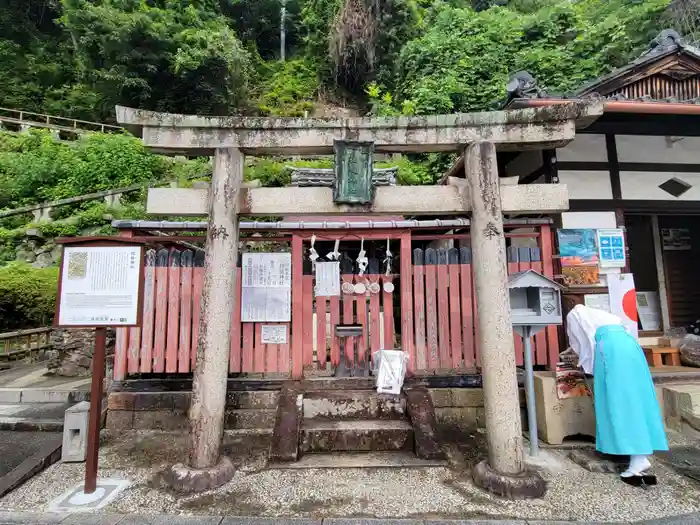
27	296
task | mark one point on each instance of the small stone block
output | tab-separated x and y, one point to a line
75	425
368	521
93	519
525	486
35	518
270	521
169	519
285	437
422	414
559	418
182	478
478	522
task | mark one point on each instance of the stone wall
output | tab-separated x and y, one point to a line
462	409
72	348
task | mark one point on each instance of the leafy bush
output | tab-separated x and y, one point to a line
27	296
35	167
288	88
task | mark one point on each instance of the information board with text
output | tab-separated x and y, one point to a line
100	286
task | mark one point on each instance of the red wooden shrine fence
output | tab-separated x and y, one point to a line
431	312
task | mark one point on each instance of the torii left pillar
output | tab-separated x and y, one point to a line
207	469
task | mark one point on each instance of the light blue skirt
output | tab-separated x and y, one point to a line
628	419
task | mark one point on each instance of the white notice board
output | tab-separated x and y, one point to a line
100	286
327	279
266	292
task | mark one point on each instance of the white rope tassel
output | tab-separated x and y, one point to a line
362	260
335	254
313	255
387	259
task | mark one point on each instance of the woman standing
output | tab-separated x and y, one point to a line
628	419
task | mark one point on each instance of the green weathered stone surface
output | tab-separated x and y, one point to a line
353	172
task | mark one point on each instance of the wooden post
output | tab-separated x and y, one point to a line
297	302
93	444
217	307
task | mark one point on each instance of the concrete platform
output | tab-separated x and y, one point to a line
23	454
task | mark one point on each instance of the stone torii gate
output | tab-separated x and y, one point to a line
479	135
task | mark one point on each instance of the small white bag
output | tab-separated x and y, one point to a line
389	370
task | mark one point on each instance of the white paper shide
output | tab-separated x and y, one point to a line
100	286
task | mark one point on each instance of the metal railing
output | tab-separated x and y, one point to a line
41	120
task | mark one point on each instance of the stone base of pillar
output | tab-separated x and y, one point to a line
527	485
182	478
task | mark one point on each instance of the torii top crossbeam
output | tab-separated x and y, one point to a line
544	127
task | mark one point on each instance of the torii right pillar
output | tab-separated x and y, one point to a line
504	472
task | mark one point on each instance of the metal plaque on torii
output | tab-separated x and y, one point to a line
353	172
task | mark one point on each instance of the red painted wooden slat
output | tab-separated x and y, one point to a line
548	267
197	285
419	316
455	316
149	307
375	318
308	320
431	323
235	345
297	304
173	324
120	347
271	352
465	275
348	318
248	336
134	350
184	357
284	364
407	341
388	305
259	352
361	307
160	327
321	320
513	268
540	348
335	320
443	317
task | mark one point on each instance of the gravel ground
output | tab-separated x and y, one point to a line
574	493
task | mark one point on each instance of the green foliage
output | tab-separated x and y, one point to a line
274	172
27	296
35	167
172	57
288	89
463	60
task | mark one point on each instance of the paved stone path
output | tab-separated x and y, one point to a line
33	518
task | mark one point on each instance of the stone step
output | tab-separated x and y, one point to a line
249	419
681	406
353	404
355	435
